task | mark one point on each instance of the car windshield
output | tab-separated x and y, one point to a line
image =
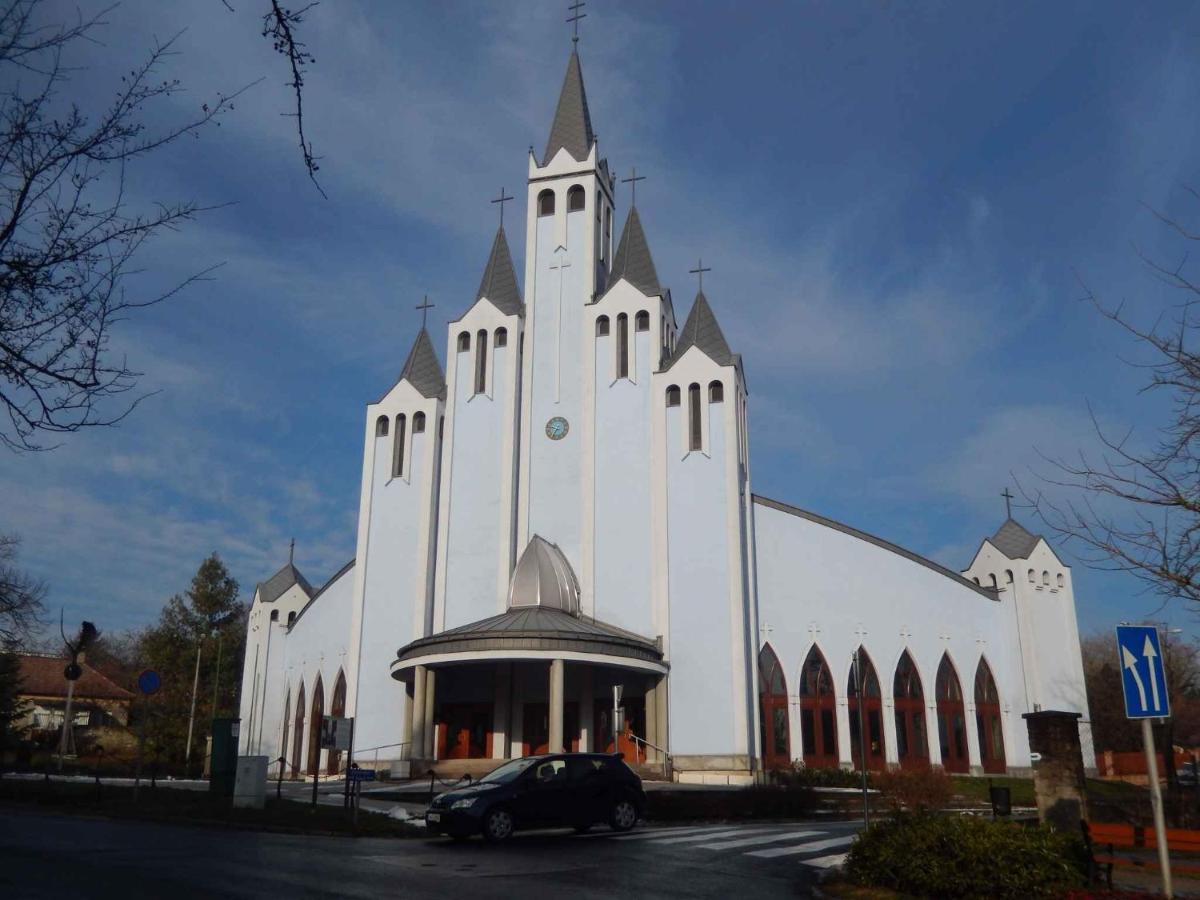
508	771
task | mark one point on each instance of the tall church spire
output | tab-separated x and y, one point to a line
499	283
633	261
572	128
422	369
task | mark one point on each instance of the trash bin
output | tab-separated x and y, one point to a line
224	756
1001	801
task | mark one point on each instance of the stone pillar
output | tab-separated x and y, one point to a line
1058	779
416	750
660	707
587	710
556	706
406	724
430	730
651	734
500	713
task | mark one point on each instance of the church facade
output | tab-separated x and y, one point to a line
558	548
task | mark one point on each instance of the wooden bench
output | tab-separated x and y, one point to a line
1108	838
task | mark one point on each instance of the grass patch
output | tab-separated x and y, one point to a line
195	808
976	789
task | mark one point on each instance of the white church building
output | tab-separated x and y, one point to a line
566	509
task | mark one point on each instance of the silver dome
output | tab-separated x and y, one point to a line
543	577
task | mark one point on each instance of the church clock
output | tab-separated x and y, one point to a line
557	428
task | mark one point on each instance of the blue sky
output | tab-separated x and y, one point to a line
893	202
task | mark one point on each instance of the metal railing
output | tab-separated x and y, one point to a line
639	743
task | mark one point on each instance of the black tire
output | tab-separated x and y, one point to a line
497	825
624	814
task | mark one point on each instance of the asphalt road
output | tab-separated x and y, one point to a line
65	856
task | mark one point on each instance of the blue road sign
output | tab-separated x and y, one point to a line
1142	674
361	774
149	682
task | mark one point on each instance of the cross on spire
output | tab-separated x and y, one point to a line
502	200
426	305
291	551
1008	498
699	271
632	181
576	15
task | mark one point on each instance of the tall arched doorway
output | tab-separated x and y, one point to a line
952	719
772	696
337	707
987	720
870	714
298	733
912	742
314	727
818	712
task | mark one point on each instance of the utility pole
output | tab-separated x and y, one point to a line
217	676
187	756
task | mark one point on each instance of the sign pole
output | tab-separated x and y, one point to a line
1160	827
349	764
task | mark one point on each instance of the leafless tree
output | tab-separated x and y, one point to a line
1134	507
21	597
69	233
279	27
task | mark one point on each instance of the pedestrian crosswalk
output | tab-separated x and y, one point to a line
815	846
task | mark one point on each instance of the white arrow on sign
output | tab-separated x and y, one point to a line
1130	662
1148	652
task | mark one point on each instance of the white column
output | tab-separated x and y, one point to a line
416	750
587	712
500	710
430	730
556	706
651	734
973	756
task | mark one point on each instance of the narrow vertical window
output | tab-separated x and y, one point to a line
545	203
622	346
481	362
381	426
602	326
464	341
501	338
419	423
673	395
642	322
398	448
716	392
575	199
694	413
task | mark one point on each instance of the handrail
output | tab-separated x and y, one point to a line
641	740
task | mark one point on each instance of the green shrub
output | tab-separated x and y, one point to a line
926	855
915	789
803	776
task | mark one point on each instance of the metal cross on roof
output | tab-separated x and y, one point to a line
632	181
426	305
699	271
291	551
502	200
575	17
1008	498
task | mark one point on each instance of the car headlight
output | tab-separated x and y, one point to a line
465	803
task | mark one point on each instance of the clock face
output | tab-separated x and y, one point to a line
557	428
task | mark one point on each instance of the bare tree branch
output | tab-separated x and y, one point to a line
279	26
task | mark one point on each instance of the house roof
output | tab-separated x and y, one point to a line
274	587
632	260
701	330
422	370
499	282
572	128
42	676
1014	541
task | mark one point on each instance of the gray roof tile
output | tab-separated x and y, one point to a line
701	330
274	587
572	128
632	260
422	369
499	283
1014	541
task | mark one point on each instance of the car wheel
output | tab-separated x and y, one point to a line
498	825
624	815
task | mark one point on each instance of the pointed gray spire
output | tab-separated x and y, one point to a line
1014	541
422	369
701	330
572	126
499	283
632	260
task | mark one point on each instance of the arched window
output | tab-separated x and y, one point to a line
398	447
602	326
575	199
772	694
419	423
1032	577
694	442
291	618
912	742
622	346
1008	576
976	580
818	712
1061	580
1045	577
545	203
716	392
866	709
987	720
314	727
381	426
501	339
952	718
673	395
995	584
337	707
642	322
298	731
464	341
274	615
287	726
481	362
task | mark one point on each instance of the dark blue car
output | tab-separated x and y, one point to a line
578	790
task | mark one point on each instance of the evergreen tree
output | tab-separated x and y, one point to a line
12	707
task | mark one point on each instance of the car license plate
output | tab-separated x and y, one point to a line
433	817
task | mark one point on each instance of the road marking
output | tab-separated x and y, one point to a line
701	837
825	862
760	839
652	833
803	848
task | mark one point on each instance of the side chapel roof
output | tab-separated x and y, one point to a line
274	587
1014	541
499	282
572	128
422	369
632	260
701	330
